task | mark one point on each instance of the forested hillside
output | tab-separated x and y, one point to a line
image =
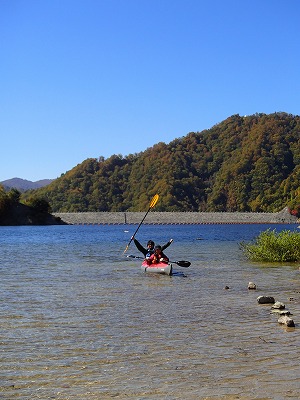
249	163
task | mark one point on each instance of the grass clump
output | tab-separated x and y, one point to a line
274	247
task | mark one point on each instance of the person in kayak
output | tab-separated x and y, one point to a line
157	257
150	247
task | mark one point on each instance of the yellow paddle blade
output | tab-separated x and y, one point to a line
154	201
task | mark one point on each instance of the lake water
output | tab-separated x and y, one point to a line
79	320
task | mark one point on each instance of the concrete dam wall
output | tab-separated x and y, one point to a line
176	218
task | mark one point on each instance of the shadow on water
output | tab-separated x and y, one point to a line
179	274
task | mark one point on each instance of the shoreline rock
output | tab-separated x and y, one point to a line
279	309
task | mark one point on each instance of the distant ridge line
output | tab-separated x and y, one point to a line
24	184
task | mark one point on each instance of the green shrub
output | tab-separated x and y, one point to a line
274	247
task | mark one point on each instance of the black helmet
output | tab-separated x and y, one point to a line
158	247
150	242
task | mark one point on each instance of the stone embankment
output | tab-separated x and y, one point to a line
176	218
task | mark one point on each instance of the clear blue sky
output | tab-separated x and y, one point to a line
90	78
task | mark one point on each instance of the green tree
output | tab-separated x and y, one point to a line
39	204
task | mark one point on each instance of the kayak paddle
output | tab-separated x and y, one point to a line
181	263
151	205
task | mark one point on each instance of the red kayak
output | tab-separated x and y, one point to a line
159	268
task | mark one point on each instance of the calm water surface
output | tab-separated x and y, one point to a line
79	320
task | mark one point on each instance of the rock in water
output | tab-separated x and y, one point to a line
265	300
285	320
251	286
278	305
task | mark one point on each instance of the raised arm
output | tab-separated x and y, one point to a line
140	247
167	244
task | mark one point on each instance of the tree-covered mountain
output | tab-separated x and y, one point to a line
249	163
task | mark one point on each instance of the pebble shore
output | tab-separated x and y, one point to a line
176	218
